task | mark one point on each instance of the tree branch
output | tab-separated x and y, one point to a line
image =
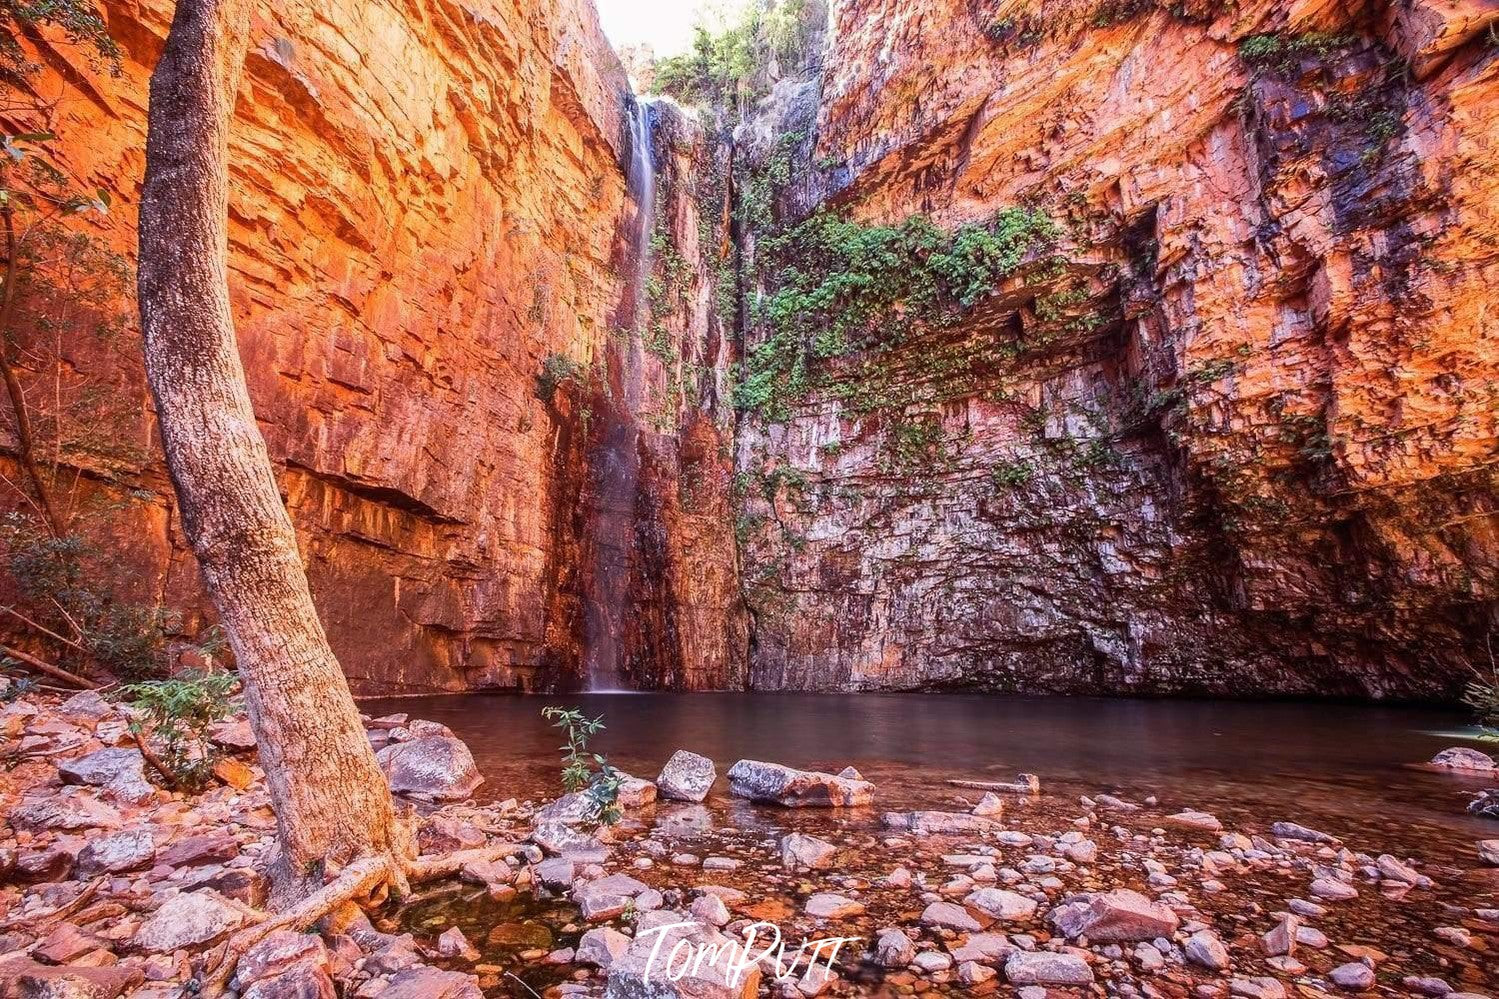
56	672
25	444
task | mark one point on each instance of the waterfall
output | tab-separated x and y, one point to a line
618	460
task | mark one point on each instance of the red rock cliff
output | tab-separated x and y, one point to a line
428	203
1243	442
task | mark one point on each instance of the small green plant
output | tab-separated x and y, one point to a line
1010	474
1283	52
176	714
77	18
556	370
583	772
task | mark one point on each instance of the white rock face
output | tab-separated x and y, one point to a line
120	772
792	788
190	919
686	777
117	853
433	768
1045	968
1463	758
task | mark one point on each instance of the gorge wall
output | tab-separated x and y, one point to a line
1103	346
430	243
1227	422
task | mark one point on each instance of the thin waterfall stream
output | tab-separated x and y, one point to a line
606	592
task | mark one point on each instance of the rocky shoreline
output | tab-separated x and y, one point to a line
113	886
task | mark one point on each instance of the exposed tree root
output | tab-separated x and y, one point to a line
364	882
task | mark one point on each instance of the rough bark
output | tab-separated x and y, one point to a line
331	801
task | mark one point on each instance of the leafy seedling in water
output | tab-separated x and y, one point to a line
583	772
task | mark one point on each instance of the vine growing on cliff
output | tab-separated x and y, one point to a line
840	287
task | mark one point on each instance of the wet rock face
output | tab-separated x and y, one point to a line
1239	430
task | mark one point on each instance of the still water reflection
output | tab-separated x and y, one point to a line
1353	768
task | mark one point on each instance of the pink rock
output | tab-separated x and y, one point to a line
1118	916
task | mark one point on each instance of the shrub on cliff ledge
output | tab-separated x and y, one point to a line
557	369
841	286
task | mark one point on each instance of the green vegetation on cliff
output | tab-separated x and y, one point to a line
735	61
840	287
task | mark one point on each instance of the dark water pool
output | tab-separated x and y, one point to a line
1352	768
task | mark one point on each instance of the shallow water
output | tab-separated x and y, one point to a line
1353	767
1352	771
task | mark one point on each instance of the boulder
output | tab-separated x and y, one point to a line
278	952
1119	916
1045	968
986	948
1001	904
1293	830
1488	851
780	785
117	853
304	980
1392	869
1257	988
452	944
432	768
199	851
1486	804
234	735
37	981
1281	941
799	850
39	866
69	810
1463	758
1205	950
893	949
635	793
1332	890
66	943
990	806
1192	819
556	873
950	915
191	919
1354	976
931	823
120	772
85	707
715	976
826	905
601	947
686	777
430	983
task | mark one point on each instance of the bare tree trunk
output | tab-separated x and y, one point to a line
331	801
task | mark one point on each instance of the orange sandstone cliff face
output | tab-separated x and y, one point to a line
428	202
1243	443
1240	440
